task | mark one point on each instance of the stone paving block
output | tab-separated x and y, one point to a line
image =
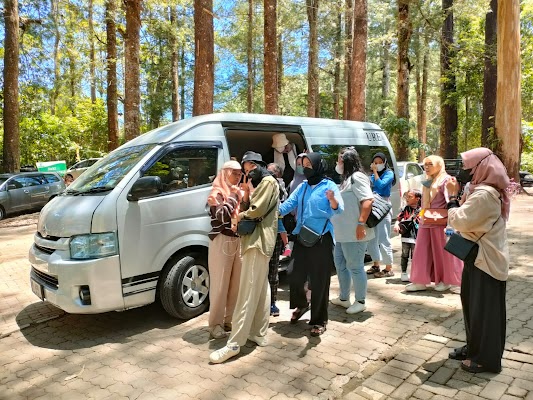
464	386
527	385
509	397
369	393
442	375
422	394
494	390
516	391
497	377
378	386
524	358
529	396
410	359
438	389
404	391
397	372
388	379
437	339
419	377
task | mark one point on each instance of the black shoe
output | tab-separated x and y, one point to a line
458	353
298	313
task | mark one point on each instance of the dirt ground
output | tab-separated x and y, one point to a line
20	220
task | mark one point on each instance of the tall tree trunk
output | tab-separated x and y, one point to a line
271	57
357	76
132	100
338	55
490	75
92	74
348	18
385	81
54	11
182	81
280	64
449	117
250	58
11	156
508	102
402	100
204	60
174	67
312	61
111	59
421	95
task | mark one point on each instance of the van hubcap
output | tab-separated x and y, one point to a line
195	287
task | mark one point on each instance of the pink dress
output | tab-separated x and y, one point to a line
431	263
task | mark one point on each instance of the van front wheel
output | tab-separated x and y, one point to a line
184	287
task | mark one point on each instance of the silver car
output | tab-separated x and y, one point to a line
80	167
27	191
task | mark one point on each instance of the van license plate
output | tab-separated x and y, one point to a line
37	289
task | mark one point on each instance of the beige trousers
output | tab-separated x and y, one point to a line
224	277
252	310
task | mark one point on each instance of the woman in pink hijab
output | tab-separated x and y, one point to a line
482	219
225	248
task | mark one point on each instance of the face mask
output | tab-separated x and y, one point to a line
300	169
427	182
280	149
309	172
464	176
339	169
380	167
255	176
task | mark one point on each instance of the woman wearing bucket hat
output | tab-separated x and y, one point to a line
225	248
252	310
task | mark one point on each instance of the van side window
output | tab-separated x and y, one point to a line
330	154
185	168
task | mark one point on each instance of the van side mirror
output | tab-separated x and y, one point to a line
146	186
11	186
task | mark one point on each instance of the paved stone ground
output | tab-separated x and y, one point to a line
396	349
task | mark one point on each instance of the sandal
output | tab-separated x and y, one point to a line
373	270
459	353
474	367
297	314
384	273
318	330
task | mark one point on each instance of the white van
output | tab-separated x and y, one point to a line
133	228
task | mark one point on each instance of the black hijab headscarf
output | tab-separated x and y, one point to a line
316	174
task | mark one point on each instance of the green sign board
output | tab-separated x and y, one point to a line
53	166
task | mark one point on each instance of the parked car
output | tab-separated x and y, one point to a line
526	178
411	176
78	168
28	168
453	166
27	191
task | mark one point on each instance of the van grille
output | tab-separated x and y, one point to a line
52	238
42	277
46	250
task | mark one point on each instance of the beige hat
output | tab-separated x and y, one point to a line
279	140
232	164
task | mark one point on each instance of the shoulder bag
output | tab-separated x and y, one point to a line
308	237
380	209
247	226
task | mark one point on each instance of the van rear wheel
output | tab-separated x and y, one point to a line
184	287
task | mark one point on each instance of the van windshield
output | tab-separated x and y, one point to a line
104	175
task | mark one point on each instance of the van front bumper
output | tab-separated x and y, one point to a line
59	280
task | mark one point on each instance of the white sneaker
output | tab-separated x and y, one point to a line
415	287
217	332
404	277
261	341
343	303
356	308
223	354
441	287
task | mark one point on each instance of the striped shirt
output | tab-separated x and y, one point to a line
221	215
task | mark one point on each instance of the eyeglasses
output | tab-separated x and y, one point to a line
428	165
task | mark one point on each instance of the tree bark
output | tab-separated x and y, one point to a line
280	64
338	55
270	57
92	74
132	100
508	101
174	67
182	81
357	76
204	60
312	61
449	117
385	80
348	17
402	89
11	145
421	95
490	75
111	59
54	12
250	58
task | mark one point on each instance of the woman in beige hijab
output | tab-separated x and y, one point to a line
225	248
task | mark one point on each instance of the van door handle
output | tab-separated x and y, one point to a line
26	191
207	208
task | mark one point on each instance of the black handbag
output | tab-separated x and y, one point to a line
380	209
247	226
308	237
459	246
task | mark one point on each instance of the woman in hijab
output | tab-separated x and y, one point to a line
380	248
299	176
482	219
430	262
224	256
317	200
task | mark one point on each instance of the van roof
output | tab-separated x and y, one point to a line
169	132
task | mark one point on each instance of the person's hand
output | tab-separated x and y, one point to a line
452	186
373	167
330	195
360	232
396	228
235	189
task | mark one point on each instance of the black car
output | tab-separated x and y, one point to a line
526	178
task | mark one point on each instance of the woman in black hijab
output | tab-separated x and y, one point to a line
317	199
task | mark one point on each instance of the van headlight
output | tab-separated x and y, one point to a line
97	245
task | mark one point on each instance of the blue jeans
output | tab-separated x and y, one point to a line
350	265
380	248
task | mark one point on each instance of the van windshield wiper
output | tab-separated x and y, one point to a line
97	189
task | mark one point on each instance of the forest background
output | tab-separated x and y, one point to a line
407	83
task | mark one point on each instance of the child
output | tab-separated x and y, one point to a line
407	225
